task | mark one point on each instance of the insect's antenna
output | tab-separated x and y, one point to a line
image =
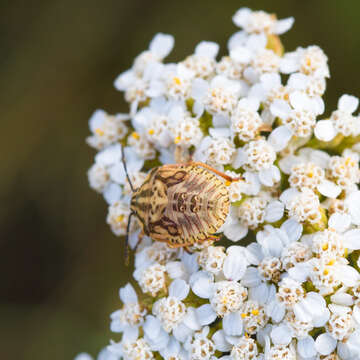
127	257
125	168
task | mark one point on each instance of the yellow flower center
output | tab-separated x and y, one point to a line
177	81
120	218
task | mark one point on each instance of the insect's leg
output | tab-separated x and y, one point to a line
127	248
213	238
187	249
217	172
141	237
265	127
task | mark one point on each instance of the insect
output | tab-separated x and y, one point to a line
181	204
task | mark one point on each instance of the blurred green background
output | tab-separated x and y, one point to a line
60	266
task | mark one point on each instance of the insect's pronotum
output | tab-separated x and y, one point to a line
181	204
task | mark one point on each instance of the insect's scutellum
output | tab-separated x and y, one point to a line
180	204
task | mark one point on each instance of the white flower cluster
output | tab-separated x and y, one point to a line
294	293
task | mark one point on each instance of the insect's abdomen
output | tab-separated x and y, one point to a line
199	205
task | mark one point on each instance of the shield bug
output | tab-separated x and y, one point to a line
181	204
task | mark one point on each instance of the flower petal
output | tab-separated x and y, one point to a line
274	211
352	239
205	314
128	295
329	189
325	344
161	45
179	289
324	130
281	335
348	103
233	324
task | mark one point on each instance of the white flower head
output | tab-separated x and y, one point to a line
202	62
117	217
153	279
303	206
228	296
245	349
309	61
260	21
171	310
106	129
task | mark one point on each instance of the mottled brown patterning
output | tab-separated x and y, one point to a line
182	204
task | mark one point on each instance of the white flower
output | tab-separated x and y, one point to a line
230	68
294	253
290	292
260	21
259	155
142	147
154	333
128	319
184	128
160	46
299	114
306	175
265	61
212	259
153	122
251	212
117	217
312	176
302	206
98	177
309	61
286	352
344	170
171	310
270	268
341	323
215	151
227	297
245	349
312	308
152	279
202	62
174	351
106	129
341	121
139	349
178	80
200	347
220	96
254	316
299	329
328	244
245	120
156	252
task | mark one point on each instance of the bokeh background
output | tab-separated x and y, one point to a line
60	266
